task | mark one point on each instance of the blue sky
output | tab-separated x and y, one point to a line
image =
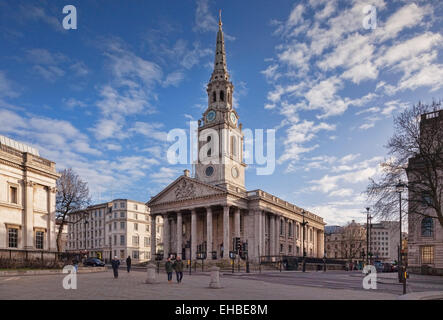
101	98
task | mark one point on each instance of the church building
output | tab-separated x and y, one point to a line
203	214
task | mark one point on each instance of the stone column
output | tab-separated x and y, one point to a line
193	234
173	233
208	233
237	222
28	230
179	234
51	234
153	236
166	236
226	232
286	231
255	249
277	235
272	236
263	226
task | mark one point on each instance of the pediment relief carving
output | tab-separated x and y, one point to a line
185	189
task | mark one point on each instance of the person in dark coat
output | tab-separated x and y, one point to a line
128	263
178	266
168	268
115	264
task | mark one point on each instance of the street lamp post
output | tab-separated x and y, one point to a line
367	235
304	223
85	223
399	188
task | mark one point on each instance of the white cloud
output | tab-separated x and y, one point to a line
407	16
204	21
173	79
7	87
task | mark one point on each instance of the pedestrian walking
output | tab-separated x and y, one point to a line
115	264
169	268
178	267
128	264
75	263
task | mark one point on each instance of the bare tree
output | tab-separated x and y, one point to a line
416	156
72	195
353	241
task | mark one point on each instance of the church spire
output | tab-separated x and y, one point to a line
220	69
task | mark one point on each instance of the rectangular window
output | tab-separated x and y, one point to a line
135	216
135	226
147	228
427	255
13	194
147	241
122	214
115	239
122	204
135	207
122	240
12	238
135	254
122	225
39	239
135	240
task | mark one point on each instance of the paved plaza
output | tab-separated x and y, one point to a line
268	286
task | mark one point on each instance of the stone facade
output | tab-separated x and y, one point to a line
347	243
119	228
425	232
27	198
204	213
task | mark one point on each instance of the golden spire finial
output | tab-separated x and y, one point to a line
219	18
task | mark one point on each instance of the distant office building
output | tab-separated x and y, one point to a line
27	198
384	241
119	228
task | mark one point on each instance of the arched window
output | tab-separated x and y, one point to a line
209	153
222	95
214	96
427	227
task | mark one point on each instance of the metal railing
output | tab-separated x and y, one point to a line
20	258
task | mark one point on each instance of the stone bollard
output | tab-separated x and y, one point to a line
151	274
215	278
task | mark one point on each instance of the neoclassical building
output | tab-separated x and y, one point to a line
120	227
27	198
204	213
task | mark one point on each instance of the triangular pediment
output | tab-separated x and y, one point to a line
185	188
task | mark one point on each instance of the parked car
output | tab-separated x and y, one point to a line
388	267
379	266
94	262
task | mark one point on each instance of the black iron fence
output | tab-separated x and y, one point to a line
17	258
283	262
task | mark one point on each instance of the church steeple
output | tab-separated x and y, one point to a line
220	68
220	160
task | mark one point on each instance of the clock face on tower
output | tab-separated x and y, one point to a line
233	118
210	116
